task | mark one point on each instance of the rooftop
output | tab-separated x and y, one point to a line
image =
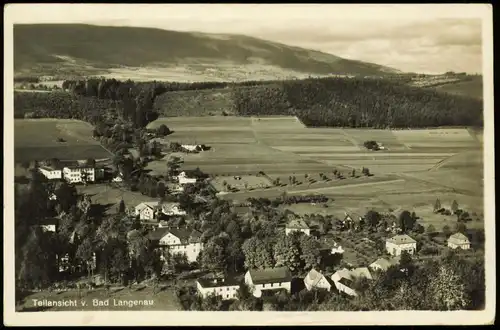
297	224
313	277
458	237
271	275
361	272
345	281
382	263
218	282
185	235
401	239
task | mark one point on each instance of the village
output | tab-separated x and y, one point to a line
166	225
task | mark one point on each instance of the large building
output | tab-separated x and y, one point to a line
79	173
459	241
399	243
51	173
227	288
268	279
72	172
178	241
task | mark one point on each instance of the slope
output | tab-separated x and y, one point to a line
61	48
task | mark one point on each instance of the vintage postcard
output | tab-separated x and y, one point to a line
232	164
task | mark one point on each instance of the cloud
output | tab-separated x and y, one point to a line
430	46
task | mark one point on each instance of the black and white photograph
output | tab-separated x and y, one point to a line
306	161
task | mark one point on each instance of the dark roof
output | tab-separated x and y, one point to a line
218	282
345	281
157	234
271	275
185	235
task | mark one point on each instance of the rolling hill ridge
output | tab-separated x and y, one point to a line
51	49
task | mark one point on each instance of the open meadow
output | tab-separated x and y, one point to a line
415	163
66	139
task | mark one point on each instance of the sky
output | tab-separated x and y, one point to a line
410	38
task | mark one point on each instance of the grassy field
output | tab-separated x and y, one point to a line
244	182
37	139
164	300
110	195
188	103
416	164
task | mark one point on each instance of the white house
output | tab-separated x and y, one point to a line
268	279
79	173
48	225
399	243
316	280
51	173
459	241
190	147
177	240
344	279
183	179
226	288
172	209
146	210
149	210
297	225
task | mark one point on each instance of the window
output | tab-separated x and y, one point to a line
271	285
227	296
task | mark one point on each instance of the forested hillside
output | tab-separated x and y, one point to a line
357	102
333	102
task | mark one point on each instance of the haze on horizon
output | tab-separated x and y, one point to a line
401	37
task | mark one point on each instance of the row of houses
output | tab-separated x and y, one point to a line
72	172
258	281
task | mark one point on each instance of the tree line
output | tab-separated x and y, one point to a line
358	102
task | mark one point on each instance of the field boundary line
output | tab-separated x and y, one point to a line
453	189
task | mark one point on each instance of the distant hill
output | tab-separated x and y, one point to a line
146	53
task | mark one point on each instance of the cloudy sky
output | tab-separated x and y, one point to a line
406	37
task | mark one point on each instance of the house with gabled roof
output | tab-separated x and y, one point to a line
297	224
344	279
459	241
146	210
399	243
316	280
383	264
268	279
178	241
150	210
225	287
